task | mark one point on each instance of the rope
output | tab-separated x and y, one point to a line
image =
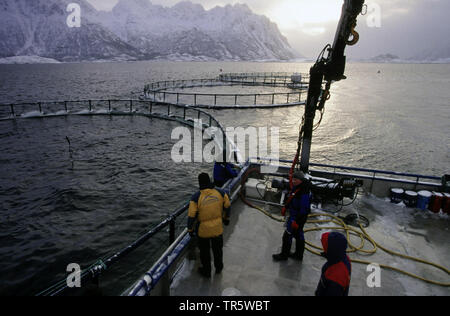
365	239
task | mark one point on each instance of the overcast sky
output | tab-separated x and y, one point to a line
408	28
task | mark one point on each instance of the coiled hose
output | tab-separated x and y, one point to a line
348	230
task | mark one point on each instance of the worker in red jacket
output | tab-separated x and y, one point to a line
336	273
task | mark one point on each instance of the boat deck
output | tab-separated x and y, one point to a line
252	238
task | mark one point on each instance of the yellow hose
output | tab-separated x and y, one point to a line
364	236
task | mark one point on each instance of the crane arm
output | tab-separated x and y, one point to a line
328	69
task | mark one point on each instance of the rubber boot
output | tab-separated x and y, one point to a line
299	250
285	249
203	272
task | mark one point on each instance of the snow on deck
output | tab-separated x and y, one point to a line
252	238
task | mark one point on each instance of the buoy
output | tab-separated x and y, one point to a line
410	198
436	202
423	199
397	195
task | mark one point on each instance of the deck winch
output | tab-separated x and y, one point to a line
325	190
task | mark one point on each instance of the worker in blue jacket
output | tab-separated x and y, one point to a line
336	273
299	206
223	171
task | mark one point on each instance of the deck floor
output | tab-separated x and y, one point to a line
252	238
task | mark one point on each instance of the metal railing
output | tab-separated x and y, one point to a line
161	269
170	111
193	117
269	78
175	112
92	273
281	79
370	173
227	101
378	181
264	75
178	113
166	91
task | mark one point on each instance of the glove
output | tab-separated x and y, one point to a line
295	226
226	222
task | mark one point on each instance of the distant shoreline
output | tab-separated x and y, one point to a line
34	60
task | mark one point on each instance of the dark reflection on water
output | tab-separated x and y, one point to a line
122	182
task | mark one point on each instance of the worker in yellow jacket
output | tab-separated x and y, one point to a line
210	208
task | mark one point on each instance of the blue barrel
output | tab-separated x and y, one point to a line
397	195
410	198
423	199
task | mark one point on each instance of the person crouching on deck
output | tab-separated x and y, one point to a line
336	273
299	206
211	209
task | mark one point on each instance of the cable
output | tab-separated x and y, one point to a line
322	53
342	224
364	237
241	194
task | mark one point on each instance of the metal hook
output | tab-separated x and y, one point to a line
355	36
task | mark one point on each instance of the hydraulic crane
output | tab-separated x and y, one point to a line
326	70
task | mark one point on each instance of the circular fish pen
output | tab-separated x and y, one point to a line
187	113
292	89
174	112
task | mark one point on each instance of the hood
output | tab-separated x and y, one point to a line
335	246
204	181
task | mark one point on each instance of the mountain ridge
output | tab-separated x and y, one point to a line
139	30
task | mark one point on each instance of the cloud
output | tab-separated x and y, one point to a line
409	29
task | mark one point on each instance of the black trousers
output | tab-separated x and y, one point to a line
205	245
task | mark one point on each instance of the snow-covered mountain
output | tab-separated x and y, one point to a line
385	58
137	29
39	28
435	53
